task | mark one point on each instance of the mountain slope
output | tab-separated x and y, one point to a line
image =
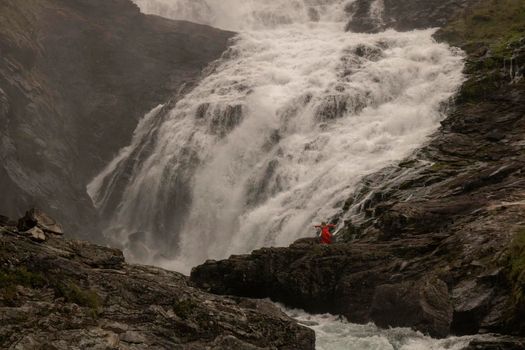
75	77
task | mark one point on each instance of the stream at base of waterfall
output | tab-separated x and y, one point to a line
335	333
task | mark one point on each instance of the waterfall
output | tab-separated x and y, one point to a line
242	15
276	136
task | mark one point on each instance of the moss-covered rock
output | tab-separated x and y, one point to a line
493	35
491	24
72	293
21	276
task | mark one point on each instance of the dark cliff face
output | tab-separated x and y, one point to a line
75	77
438	239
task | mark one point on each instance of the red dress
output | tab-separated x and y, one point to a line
326	236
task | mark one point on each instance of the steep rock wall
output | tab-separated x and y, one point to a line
75	77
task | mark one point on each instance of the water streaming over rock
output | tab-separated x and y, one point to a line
335	333
277	135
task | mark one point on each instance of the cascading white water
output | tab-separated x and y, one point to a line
242	15
277	136
335	333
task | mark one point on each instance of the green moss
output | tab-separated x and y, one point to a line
21	277
495	24
10	279
439	166
74	294
184	308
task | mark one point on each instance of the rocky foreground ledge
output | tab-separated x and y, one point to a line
57	293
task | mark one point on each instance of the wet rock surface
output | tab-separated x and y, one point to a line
497	343
64	294
424	305
363	281
75	77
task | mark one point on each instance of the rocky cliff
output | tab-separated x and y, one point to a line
75	77
438	239
62	294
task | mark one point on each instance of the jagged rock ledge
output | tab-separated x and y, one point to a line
76	76
57	293
385	283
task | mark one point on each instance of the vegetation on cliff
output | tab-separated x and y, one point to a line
493	35
496	24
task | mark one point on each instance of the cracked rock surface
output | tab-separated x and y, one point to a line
64	294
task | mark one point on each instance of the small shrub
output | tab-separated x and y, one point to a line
9	295
72	293
22	277
184	308
494	24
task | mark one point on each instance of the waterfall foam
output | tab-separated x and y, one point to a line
247	14
277	136
335	333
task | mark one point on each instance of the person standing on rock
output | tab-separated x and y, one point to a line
325	236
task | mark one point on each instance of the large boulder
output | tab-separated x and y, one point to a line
37	218
424	305
339	278
35	234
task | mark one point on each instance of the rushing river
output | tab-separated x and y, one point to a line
335	333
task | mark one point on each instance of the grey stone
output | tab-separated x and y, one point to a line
75	295
36	234
423	305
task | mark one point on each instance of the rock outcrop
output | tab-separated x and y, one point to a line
452	213
63	294
424	305
363	281
75	77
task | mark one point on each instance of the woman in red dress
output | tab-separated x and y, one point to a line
326	236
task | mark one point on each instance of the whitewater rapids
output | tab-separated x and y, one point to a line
335	333
275	138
